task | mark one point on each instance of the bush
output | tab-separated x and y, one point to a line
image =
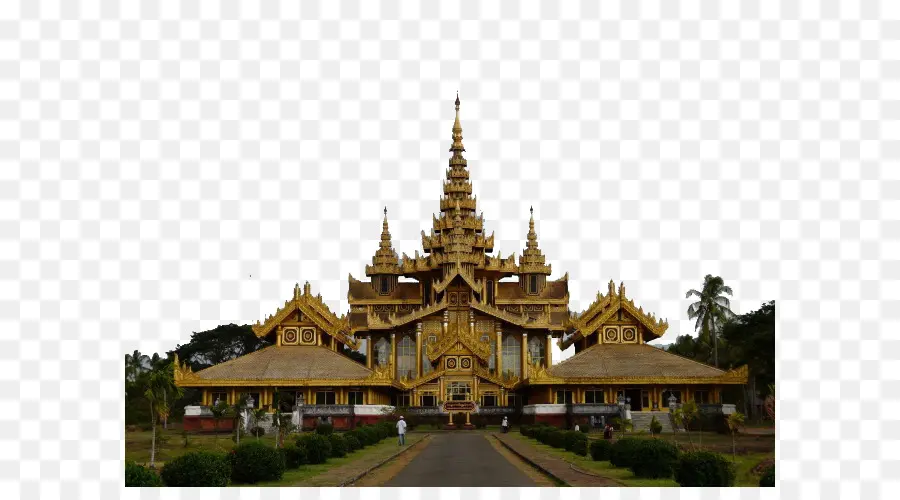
257	431
558	438
625	451
367	435
324	429
578	443
353	443
318	447
197	468
138	475
254	462
338	445
768	477
657	459
655	426
704	468
600	450
294	455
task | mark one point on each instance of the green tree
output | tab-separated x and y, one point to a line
260	415
237	415
222	343
283	426
735	421
218	412
711	310
751	337
685	416
159	389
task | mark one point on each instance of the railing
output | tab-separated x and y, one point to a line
595	409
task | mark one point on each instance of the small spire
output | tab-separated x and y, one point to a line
457	146
457	100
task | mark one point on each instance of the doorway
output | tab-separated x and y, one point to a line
636	399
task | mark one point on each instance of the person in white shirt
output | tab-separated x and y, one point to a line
505	425
401	432
577	428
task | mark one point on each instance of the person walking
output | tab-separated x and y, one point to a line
505	425
401	431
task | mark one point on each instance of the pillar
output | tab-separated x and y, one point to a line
499	350
369	340
393	359
549	349
524	355
418	349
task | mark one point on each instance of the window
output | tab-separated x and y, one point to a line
402	399
701	397
512	355
406	358
218	397
355	398
512	399
490	292
458	391
382	351
563	397
429	400
489	400
324	397
532	285
384	285
426	293
593	396
536	350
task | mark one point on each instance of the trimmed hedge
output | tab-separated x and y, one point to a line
353	443
625	452
294	455
578	443
338	445
768	477
600	450
324	429
197	468
656	459
655	426
138	475
704	468
253	462
318	447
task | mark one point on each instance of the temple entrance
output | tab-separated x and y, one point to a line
635	396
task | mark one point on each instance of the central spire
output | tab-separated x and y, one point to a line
457	148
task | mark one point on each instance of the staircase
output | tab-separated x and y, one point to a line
640	420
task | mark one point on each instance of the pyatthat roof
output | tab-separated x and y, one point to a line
637	363
285	365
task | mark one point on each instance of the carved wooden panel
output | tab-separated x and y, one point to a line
610	334
308	336
450	362
290	335
629	334
465	362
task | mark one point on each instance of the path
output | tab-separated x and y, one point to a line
553	465
460	459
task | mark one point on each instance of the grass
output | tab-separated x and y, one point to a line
744	462
170	444
711	441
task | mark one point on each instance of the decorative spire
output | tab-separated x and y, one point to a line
457	148
385	260
532	260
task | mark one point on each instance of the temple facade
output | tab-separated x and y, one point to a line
462	325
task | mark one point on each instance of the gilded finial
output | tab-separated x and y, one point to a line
457	100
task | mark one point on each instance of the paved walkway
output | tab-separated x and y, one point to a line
556	467
460	459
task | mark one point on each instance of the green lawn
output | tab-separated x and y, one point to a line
170	444
743	465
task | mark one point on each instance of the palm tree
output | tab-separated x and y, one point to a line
237	414
218	411
735	421
159	387
711	309
259	415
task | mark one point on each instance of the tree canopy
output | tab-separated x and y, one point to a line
222	343
751	341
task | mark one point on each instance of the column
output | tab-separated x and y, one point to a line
499	350
369	351
418	349
278	335
474	388
524	356
393	360
550	399
549	354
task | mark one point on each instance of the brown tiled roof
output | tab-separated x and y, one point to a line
507	290
288	362
630	360
362	290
